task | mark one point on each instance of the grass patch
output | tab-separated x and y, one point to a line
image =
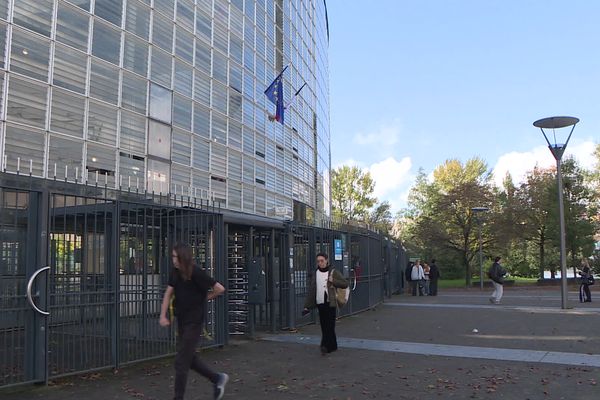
460	282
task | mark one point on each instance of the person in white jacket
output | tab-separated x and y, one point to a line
416	278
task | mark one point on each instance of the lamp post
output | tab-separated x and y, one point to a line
557	150
478	210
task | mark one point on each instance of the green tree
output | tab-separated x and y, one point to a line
352	193
381	217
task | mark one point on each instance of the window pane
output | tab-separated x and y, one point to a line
25	144
101	159
202	88
183	78
35	15
138	18
4	9
184	45
166	7
104	82
202	57
219	97
102	123
27	102
133	133
85	4
72	27
218	165
160	103
67	113
106	43
133	95
201	153
132	170
30	55
201	120
135	56
2	45
158	176
110	10
220	67
203	25
235	105
182	147
219	128
182	112
185	13
64	152
162	32
159	140
161	67
70	68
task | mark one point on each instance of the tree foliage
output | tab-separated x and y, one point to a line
352	193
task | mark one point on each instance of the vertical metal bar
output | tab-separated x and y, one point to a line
563	251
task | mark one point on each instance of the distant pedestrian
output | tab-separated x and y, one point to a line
496	274
192	288
416	278
587	279
426	270
434	275
407	272
321	295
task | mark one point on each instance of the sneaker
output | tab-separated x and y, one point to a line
220	386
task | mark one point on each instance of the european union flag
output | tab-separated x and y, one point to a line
275	93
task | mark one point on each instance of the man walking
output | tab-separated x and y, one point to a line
496	274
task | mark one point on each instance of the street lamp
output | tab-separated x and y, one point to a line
557	150
477	210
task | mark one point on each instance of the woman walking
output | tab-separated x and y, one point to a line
321	294
192	288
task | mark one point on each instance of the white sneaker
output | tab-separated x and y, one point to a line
220	386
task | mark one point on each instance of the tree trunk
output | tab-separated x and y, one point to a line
468	270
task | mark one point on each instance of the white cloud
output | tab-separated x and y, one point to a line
393	179
519	163
386	134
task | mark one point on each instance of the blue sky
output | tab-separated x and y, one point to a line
414	83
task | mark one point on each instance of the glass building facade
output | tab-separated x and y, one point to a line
167	96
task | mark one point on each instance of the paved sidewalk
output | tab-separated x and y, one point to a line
455	345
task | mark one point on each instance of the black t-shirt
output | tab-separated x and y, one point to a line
190	295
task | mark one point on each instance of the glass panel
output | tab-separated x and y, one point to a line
158	176
183	78
64	152
202	56
202	88
133	95
133	133
203	25
220	37
2	45
162	32
184	45
161	67
101	160
159	140
219	128
201	120
102	123
85	4
235	76
182	112
235	166
182	147
218	155
72	27
25	144
185	13
201	156
132	170
30	55
219	97
235	105
200	181
234	138
109	10
1	94
165	6
106	43
160	103
26	102
35	15
4	9
219	67
135	55
138	19
70	68
104	82
67	114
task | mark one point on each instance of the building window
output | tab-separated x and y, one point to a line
67	113
161	103
30	55
72	27
159	140
64	152
106	43
70	69
35	15
27	102
159	176
110	10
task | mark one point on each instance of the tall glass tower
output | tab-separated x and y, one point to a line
167	96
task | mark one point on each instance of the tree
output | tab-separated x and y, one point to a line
352	192
381	217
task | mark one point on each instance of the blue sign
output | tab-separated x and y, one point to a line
337	249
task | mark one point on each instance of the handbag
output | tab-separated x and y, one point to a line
341	295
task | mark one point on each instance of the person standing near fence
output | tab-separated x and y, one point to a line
416	278
434	275
192	288
321	294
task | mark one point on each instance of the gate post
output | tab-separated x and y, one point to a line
292	284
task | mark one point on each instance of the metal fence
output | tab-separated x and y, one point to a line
83	271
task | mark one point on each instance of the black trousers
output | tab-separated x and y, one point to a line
584	293
186	358
433	285
327	320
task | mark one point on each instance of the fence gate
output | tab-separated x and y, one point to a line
82	279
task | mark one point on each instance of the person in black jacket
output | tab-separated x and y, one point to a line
192	287
434	275
587	279
496	274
